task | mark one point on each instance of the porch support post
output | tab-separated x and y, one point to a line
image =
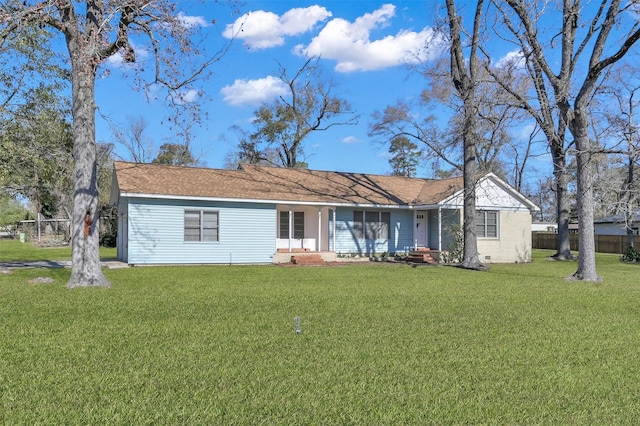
439	228
334	229
319	245
290	228
415	227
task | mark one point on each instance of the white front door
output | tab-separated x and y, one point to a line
421	229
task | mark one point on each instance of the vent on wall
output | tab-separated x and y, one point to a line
487	258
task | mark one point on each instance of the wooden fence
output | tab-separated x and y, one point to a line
604	243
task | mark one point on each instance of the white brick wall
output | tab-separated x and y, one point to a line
514	242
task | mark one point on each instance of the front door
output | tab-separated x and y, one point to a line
421	229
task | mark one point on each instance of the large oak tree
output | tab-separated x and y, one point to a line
94	30
590	44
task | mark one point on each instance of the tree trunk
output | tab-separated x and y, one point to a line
85	263
465	83
586	241
470	258
562	208
628	208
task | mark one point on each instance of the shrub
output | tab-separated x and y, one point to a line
631	255
456	248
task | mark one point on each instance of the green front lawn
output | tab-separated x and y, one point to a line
15	251
380	344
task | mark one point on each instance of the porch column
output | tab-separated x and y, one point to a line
334	230
319	248
290	228
439	228
415	226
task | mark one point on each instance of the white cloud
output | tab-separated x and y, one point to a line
350	45
187	96
261	30
525	132
192	21
117	60
513	59
351	139
253	92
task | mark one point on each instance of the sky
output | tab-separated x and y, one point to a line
370	48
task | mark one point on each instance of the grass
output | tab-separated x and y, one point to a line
380	344
15	251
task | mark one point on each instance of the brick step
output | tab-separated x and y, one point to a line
309	259
424	256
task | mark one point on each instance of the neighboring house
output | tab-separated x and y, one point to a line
179	215
616	225
544	227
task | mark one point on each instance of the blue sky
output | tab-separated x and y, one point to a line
371	49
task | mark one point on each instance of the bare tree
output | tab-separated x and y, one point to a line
609	16
138	146
542	193
542	108
404	120
94	31
444	143
623	96
284	124
464	73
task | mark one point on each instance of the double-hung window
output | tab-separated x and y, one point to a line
486	224
298	225
201	226
371	225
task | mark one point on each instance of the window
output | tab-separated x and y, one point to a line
200	225
298	225
376	225
487	224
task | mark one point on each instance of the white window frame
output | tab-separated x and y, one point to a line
298	225
481	222
364	229
202	236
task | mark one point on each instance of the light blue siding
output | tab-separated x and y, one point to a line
156	233
400	234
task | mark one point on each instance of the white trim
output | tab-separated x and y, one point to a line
290	229
258	201
439	228
319	246
334	229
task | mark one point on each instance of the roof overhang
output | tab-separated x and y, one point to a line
261	201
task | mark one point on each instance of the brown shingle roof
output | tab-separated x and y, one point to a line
280	184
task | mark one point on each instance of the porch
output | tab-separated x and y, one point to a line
304	229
